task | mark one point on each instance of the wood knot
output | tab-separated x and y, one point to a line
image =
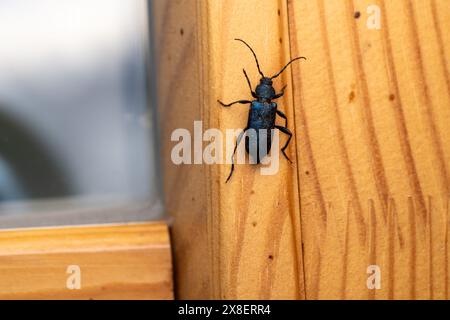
351	96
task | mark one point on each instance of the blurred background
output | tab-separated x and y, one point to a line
77	130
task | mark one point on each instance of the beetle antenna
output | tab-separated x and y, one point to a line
298	58
254	54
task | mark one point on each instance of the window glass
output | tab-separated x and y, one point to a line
76	127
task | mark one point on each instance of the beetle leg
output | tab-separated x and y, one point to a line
230	104
232	156
249	84
289	133
279	95
281	114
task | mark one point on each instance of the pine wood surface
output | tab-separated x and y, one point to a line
116	262
369	110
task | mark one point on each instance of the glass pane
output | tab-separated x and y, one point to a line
76	130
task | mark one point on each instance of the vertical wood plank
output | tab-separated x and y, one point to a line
240	240
371	116
259	212
178	52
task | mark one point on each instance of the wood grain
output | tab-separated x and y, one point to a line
371	116
116	262
370	183
178	50
239	240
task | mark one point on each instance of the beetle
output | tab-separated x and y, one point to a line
262	113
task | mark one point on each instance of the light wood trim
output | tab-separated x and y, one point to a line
241	239
372	120
117	262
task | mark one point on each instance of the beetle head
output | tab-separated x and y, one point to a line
264	89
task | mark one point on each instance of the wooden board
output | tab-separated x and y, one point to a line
241	239
372	110
115	262
370	114
186	188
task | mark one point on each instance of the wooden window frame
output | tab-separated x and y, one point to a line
121	261
126	258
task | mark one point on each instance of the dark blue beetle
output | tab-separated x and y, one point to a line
262	113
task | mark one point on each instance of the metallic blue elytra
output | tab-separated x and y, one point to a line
262	114
261	118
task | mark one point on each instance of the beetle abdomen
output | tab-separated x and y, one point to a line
261	119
